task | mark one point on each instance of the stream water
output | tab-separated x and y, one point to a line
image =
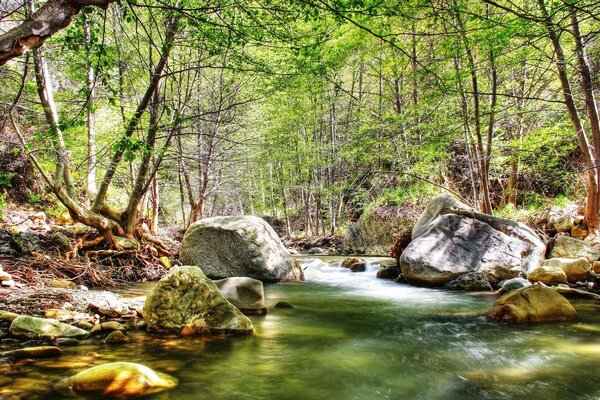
352	336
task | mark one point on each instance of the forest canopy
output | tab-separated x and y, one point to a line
309	111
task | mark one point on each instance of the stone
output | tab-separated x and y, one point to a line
565	224
116	337
440	205
7	315
127	243
457	244
165	262
246	294
67	342
61	241
4	276
348	261
119	379
391	272
28	243
282	305
230	246
60	283
109	305
316	251
109	326
88	326
8	246
548	275
533	304
579	231
185	300
34	327
472	281
513	284
33	352
64	315
576	269
376	231
9	284
596	267
568	247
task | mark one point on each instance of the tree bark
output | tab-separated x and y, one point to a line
49	19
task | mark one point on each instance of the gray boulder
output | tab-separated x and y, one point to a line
238	246
472	281
185	300
568	247
246	294
451	239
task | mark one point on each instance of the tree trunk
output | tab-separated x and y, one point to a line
90	117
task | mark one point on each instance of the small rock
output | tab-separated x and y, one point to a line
596	267
82	287
472	281
108	327
548	275
513	284
60	283
116	337
348	261
64	315
127	243
61	241
247	294
119	379
579	231
9	284
88	326
391	272
282	305
4	276
565	224
316	251
568	247
66	342
165	262
33	352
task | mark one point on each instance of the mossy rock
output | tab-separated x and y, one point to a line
34	327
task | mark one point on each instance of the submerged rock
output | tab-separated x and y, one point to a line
33	352
472	281
119	379
451	239
354	264
238	246
116	337
391	272
568	247
533	304
513	284
282	305
185	300
40	327
247	294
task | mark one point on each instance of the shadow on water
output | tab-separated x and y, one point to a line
351	336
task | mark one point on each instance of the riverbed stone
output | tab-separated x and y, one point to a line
44	327
7	315
533	304
568	247
513	284
576	269
185	300
119	379
391	272
472	281
33	352
247	294
451	239
116	337
108	326
230	246
64	315
548	274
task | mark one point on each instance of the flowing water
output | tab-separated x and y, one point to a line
352	336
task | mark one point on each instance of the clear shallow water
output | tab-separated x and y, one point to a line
351	336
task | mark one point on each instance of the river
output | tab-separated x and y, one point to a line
352	336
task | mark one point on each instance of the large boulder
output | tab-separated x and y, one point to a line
42	327
451	239
119	380
247	294
568	247
533	304
376	231
238	246
185	300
